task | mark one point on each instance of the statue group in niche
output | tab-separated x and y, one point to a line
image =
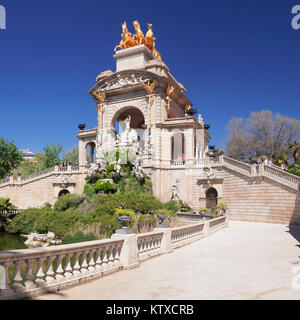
128	140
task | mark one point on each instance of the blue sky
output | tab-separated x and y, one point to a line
233	57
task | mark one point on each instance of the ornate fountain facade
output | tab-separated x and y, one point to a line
142	108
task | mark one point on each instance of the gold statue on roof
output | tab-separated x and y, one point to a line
128	40
139	35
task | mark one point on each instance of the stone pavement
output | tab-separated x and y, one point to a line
245	261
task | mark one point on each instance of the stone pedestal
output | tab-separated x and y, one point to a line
128	257
133	58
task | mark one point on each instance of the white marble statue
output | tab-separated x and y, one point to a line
175	191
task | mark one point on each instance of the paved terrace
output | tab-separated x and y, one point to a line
245	261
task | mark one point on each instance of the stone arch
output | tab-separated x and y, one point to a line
63	192
138	116
90	154
138	121
211	197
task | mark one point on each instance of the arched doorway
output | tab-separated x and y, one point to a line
63	193
211	197
90	152
137	122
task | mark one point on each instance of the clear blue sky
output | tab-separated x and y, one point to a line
232	56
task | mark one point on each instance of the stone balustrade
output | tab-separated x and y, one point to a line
31	272
40	174
35	271
289	178
238	164
180	235
149	244
178	163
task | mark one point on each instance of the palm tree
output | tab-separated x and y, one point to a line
6	208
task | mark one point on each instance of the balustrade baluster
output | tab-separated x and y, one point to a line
40	276
84	265
29	282
110	258
91	262
59	270
77	268
50	274
105	259
8	289
18	279
98	260
68	270
117	257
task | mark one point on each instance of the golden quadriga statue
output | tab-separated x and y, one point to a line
128	40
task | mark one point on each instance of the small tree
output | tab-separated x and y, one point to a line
51	155
72	156
10	157
5	214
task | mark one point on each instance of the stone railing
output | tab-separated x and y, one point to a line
178	163
214	223
281	175
5	180
179	235
32	272
237	164
39	174
149	244
271	172
36	271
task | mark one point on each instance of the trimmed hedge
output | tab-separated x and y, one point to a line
68	201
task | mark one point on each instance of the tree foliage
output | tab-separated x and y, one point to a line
262	134
10	157
71	156
51	155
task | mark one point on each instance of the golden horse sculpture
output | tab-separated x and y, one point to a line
130	41
127	39
139	35
150	42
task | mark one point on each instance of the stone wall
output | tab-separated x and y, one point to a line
259	199
36	192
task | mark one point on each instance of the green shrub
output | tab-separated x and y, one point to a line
110	167
147	186
47	205
183	207
67	201
79	236
172	206
165	211
105	186
24	221
294	169
89	190
138	202
129	183
45	220
93	178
